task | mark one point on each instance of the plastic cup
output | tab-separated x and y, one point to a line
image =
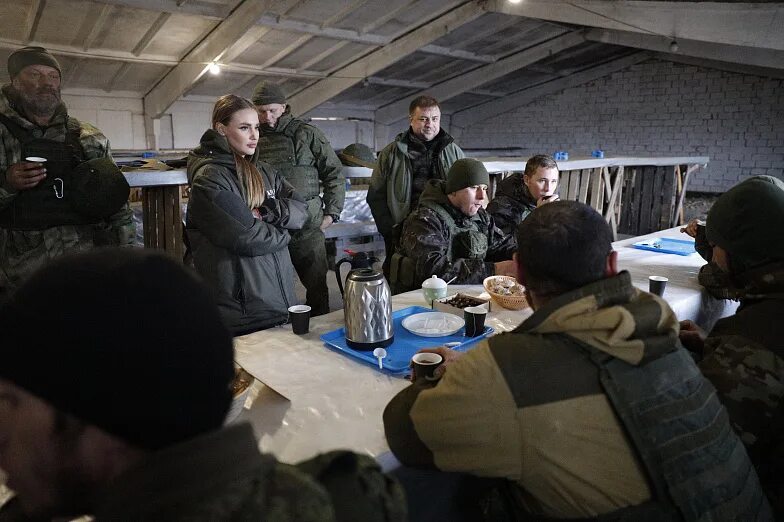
425	364
656	285
299	316
474	320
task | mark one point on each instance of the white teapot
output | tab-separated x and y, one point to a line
433	288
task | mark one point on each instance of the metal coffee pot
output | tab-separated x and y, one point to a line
355	260
367	305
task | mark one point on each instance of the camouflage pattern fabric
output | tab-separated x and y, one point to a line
512	203
437	247
218	476
744	359
23	252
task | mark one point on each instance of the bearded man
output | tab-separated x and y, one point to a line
59	188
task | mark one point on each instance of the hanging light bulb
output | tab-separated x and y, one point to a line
514	1
214	68
673	46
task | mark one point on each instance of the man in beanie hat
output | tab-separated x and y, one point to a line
744	354
40	213
304	156
450	234
590	408
125	421
424	152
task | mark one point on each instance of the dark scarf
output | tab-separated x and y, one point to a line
424	160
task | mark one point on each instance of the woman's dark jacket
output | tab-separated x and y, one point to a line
244	259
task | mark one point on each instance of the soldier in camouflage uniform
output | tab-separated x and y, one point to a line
35	122
139	434
450	234
305	158
744	354
519	194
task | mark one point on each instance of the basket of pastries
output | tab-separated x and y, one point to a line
506	291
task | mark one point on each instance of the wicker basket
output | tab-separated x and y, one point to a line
510	302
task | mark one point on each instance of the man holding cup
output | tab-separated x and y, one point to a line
47	208
573	410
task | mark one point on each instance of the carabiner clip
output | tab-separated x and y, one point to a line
59	194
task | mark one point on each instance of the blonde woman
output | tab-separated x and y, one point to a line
238	221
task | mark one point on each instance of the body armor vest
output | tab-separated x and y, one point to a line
278	149
48	204
466	242
697	466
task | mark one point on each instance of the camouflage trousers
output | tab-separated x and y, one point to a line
309	256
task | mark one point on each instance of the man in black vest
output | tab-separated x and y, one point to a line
591	406
303	155
45	208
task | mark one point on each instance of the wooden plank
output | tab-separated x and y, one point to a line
597	190
669	197
659	208
574	185
146	206
644	225
625	225
585	178
563	183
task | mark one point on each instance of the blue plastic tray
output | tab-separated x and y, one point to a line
404	347
681	247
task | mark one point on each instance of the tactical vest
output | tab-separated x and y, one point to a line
466	242
47	204
697	466
278	149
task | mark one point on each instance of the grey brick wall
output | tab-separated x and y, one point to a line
656	108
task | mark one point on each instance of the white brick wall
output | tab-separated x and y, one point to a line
656	108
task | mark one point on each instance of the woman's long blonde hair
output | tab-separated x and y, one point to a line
249	176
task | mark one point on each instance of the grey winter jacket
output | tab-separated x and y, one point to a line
244	259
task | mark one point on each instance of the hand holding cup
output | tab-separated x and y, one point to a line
26	174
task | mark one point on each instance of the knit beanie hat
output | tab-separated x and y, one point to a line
747	221
124	339
466	172
30	56
267	92
358	155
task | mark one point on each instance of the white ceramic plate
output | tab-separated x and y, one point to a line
433	324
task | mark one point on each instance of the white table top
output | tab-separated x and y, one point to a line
327	401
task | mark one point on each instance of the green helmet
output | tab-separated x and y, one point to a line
358	155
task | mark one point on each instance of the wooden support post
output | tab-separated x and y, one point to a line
162	219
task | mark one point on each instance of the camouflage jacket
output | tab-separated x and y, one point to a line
451	250
22	252
512	203
219	476
744	359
